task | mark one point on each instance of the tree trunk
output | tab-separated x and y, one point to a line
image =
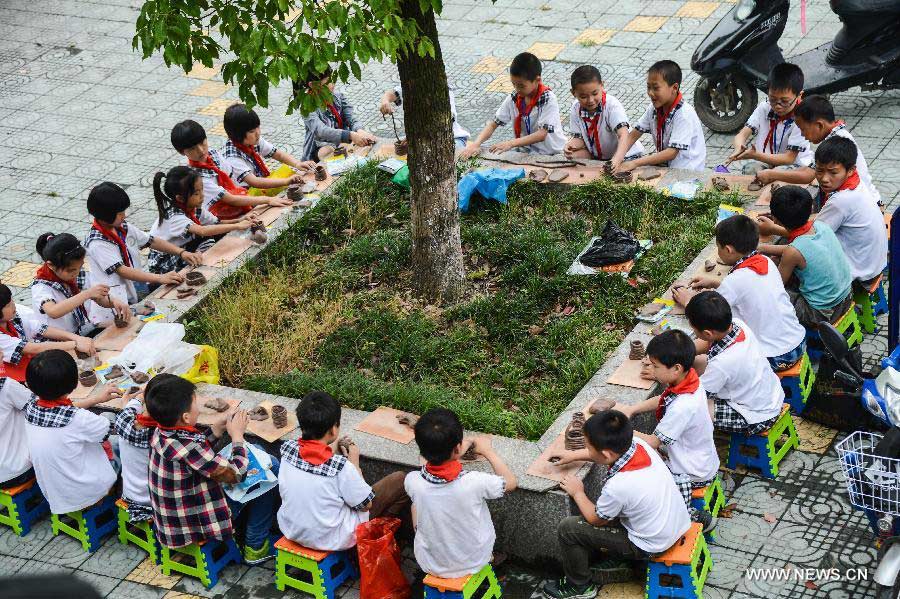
438	272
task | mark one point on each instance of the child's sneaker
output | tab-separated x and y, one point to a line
610	571
705	518
563	589
257	556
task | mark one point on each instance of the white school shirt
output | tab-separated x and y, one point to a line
454	532
32	326
135	459
104	258
71	465
458	131
686	431
612	118
762	302
858	224
320	504
646	501
787	135
174	227
43	292
15	459
742	376
241	164
544	115
682	131
862	167
212	191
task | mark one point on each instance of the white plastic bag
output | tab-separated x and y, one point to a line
159	346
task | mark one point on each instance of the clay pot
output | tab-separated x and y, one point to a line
574	435
88	378
279	416
637	350
258	233
401	147
120	322
81	355
709	265
195	278
258	413
321	173
185	292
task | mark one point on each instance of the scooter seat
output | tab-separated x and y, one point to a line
869	8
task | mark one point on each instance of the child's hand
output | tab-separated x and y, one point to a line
192	258
170	278
244	224
766	226
766	175
561	458
703	282
572	146
683	295
122	310
96	292
624	167
742	153
362	138
107	393
647	370
503	146
386	106
85	345
482	445
308	165
279	202
572	485
296	179
470	150
237	424
625	408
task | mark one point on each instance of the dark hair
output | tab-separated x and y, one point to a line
786	76
106	200
438	431
238	121
168	399
317	412
837	150
791	205
813	108
5	295
52	374
187	134
668	70
315	78
526	65
586	74
709	311
673	347
180	181
156	380
609	430
59	249
739	231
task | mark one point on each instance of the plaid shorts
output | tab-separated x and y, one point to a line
728	419
686	486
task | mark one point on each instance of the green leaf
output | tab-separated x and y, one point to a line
357	72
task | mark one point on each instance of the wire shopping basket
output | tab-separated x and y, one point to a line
873	481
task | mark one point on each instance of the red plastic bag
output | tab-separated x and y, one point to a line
379	560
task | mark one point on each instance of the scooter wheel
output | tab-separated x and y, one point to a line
724	104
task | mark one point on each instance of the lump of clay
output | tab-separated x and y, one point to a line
120	322
755	185
115	372
344	443
709	265
607	168
623	177
258	413
279	416
720	184
185	292
139	377
321	173
217	404
601	405
88	378
574	435
557	175
195	278
470	454
648	173
407	420
258	233
637	350
651	309
537	175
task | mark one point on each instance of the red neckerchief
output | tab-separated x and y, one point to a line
337	116
755	262
640	459
689	384
53	403
592	125
14	371
523	110
146	420
45	273
221	209
803	230
314	452
191	214
851	182
449	470
661	122
251	151
114	235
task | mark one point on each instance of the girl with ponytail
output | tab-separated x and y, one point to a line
182	219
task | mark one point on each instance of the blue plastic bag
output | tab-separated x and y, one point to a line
491	183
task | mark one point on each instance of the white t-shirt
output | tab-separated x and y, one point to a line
858	224
458	131
544	115
682	131
241	164
742	376
787	135
647	503
454	532
71	465
320	504
174	228
104	258
14	455
686	430
612	118
762	302
32	326
862	167
134	452
212	191
44	291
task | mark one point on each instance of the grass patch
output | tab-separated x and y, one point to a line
328	305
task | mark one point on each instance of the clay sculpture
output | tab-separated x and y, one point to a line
648	173
195	278
720	184
185	292
258	413
81	355
470	454
294	192
407	420
88	378
344	443
321	173
258	233
623	177
133	389
115	372
139	377
574	435
651	309
120	321
755	185
637	350
537	175
607	168
601	405
401	147
279	416
217	404
557	175
340	151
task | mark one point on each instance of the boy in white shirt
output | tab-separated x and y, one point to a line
677	133
324	496
454	532
532	109
638	489
755	292
598	122
72	467
394	97
15	460
745	394
779	148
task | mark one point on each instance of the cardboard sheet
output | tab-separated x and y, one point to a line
272	214
628	374
208	415
265	429
114	338
383	423
226	250
168	291
542	468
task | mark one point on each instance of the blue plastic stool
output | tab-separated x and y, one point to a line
24	505
682	570
767	446
325	570
209	557
797	382
90	524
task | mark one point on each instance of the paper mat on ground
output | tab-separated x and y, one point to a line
383	423
259	478
577	268
628	374
266	429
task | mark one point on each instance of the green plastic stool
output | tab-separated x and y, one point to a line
850	328
871	304
89	525
765	450
137	533
209	558
325	570
798	382
710	498
685	566
467	587
21	506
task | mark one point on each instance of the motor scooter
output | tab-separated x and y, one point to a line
734	59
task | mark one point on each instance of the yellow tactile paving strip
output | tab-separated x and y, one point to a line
490	65
213	89
149	573
546	50
645	24
201	72
216	107
594	37
697	10
19	275
501	84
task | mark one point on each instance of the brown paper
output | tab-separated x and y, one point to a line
168	291
542	468
265	429
114	338
208	416
226	250
628	374
383	423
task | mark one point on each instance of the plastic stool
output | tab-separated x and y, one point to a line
710	498
210	557
326	570
767	446
481	585
137	533
848	325
797	382
872	303
24	505
90	524
686	564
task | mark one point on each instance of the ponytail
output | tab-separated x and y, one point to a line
179	181
59	250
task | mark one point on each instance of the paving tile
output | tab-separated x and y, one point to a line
491	65
114	559
133	590
501	84
645	24
9	565
228	577
148	573
201	72
20	275
697	10
102	584
546	50
815	438
594	37
212	89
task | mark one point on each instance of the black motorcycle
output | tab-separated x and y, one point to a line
735	58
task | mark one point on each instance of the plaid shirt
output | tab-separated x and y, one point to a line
618	464
188	506
16	357
290	452
126	429
79	313
95	235
57	417
232	151
725	342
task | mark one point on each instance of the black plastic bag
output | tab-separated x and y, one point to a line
615	246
